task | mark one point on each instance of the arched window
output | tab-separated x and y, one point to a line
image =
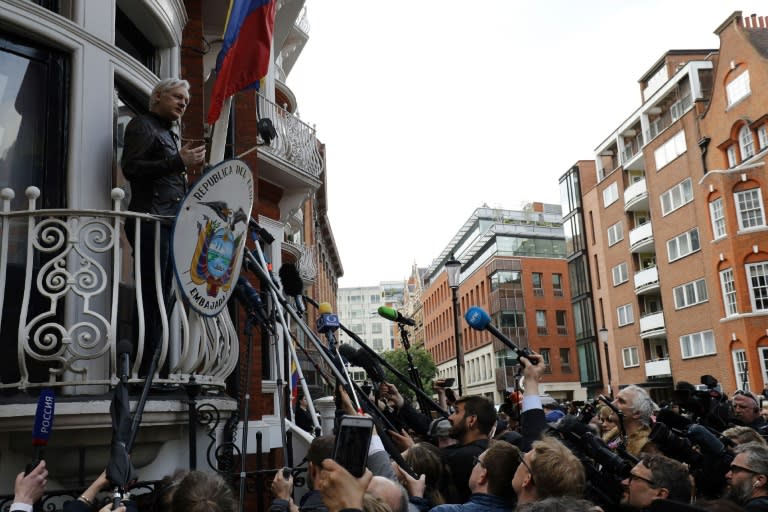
746	142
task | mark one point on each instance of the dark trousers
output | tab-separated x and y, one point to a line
153	326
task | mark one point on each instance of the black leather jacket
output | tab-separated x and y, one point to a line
151	162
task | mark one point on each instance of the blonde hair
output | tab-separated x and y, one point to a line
742	434
556	471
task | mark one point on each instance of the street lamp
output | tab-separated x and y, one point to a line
603	335
453	270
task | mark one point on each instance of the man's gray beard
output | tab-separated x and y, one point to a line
739	493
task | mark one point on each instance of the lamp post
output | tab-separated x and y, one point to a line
453	270
603	335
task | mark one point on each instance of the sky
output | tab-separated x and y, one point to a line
430	109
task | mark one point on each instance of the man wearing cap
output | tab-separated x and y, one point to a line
320	448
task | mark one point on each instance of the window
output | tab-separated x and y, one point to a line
630	356
541	322
729	292
683	245
625	314
763	351
698	344
504	277
538	278
560	321
740	368
620	274
130	39
378	344
615	233
565	360
355	299
610	194
758	285
762	137
746	142
375	298
717	216
670	150
737	88
557	284
731	153
749	204
689	294
376	328
545	357
677	196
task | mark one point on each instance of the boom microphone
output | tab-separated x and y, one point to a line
293	285
250	299
479	320
395	316
363	359
124	357
328	321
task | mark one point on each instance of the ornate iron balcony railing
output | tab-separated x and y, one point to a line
63	278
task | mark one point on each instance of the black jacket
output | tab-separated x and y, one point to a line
152	163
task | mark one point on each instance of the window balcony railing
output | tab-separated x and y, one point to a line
636	190
675	112
296	142
652	324
61	277
658	368
648	278
641	237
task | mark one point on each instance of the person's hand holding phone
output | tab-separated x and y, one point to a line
414	487
282	487
390	392
339	489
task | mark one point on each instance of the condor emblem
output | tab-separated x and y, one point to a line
209	235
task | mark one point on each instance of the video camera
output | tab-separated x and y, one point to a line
604	469
705	403
699	446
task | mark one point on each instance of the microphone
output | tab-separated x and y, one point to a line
250	299
479	320
41	431
328	322
361	358
293	285
706	440
395	316
124	358
263	233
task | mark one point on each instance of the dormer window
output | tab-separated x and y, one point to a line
738	88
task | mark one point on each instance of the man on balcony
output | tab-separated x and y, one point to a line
156	168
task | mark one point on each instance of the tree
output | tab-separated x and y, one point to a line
423	363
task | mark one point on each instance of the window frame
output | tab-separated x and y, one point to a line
686	288
746	143
717	218
691	339
680	189
632	352
689	242
744	209
764	287
610	194
615	232
728	290
625	315
623	273
738	88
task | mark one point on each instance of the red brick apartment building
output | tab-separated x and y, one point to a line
512	266
674	220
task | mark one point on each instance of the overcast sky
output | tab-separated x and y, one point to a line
431	108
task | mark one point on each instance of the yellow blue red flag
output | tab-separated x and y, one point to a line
244	57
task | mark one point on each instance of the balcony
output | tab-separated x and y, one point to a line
64	280
646	281
292	160
667	117
636	197
658	368
652	325
632	153
641	239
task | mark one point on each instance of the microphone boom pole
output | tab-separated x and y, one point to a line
405	380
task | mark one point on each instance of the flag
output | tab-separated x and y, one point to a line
244	57
294	382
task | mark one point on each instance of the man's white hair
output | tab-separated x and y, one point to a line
166	84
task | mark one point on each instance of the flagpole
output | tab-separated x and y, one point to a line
219	138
